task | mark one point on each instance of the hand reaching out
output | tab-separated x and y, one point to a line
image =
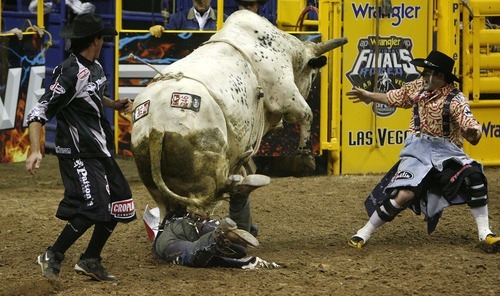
472	135
125	105
357	95
156	31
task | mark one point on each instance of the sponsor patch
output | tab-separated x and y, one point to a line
83	73
140	111
82	172
57	88
403	175
392	67
123	209
62	150
186	101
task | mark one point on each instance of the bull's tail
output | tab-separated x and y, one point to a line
155	152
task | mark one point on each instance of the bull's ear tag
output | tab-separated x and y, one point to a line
186	101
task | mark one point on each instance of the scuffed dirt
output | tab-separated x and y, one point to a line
304	226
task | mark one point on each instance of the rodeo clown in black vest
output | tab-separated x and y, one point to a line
96	192
433	171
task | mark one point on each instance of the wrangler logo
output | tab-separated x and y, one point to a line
398	13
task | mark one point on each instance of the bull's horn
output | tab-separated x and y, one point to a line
322	47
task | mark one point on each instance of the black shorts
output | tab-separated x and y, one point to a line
96	189
450	181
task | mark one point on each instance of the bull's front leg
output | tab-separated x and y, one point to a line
302	162
305	144
294	109
304	117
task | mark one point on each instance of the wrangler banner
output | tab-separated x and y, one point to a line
377	58
22	70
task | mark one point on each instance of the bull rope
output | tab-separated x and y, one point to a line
260	121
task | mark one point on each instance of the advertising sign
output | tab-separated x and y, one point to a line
377	58
22	70
486	150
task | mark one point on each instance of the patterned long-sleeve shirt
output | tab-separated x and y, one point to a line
430	109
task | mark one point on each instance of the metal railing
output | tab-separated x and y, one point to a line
480	52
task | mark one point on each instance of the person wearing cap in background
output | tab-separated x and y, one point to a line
250	5
96	192
433	170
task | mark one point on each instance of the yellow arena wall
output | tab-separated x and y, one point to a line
360	138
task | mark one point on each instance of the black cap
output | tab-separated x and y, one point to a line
85	25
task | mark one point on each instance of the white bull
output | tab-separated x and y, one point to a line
202	119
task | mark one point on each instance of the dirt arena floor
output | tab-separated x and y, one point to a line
304	226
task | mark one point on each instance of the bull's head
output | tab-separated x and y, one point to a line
306	68
315	59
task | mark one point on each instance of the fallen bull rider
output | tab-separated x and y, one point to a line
189	239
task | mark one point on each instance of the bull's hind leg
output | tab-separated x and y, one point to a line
239	203
143	164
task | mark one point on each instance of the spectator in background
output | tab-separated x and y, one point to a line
199	17
4	55
77	7
47	6
16	31
250	4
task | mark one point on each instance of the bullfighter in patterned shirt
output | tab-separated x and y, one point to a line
433	171
96	191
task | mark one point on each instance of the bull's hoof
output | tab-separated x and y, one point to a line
242	186
235	179
303	152
296	165
256	180
250	180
